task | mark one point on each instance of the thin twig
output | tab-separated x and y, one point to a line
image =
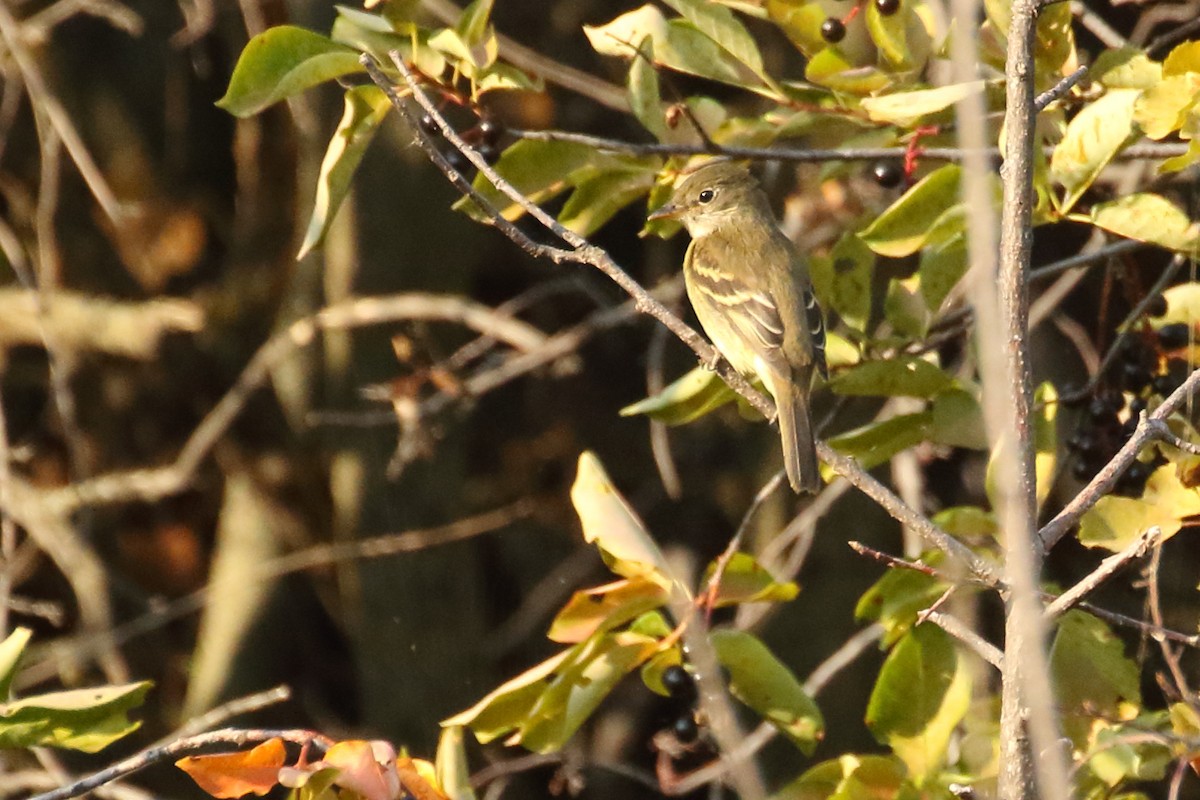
978	645
709	596
1086	258
1105	570
181	747
1059	89
228	710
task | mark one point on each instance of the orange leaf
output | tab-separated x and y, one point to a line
229	775
365	768
414	784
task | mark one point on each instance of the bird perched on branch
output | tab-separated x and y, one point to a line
751	292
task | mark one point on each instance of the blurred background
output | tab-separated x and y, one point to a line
202	257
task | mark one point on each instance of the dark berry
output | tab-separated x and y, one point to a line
832	30
1174	336
686	730
430	126
679	682
1083	443
887	174
1134	376
1157	307
458	161
887	7
1165	384
1082	470
489	152
1103	406
490	130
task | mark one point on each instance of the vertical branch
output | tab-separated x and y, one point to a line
1028	728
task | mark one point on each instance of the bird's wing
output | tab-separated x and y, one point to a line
750	308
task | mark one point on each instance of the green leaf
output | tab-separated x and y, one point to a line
958	420
1162	109
718	23
1045	439
967	522
895	600
1148	218
842	281
922	693
653	669
907	108
453	772
507	705
604	608
910	222
1126	68
905	308
940	270
890	34
366	106
1114	521
79	719
761	681
1093	678
584	680
612	526
596	199
281	62
687	398
539	170
898	377
1181	162
472	25
504	77
645	96
1093	138
876	442
11	650
801	22
831	69
1122	754
1054	49
852	777
746	581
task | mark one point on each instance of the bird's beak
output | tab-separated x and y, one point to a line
667	211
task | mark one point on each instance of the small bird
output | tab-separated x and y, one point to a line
752	295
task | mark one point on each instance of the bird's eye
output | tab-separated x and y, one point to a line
706	196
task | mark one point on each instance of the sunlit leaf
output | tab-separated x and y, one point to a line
1184	58
1045	439
366	768
922	693
690	397
1162	108
645	96
896	377
283	61
1148	218
503	709
11	650
1093	138
472	25
229	775
908	224
604	608
906	108
366	106
746	581
597	198
453	772
941	268
1093	678
830	68
852	777
1126	68
1054	47
719	24
896	599
538	170
761	681
958	420
610	524
876	442
1114	521
584	680
76	719
842	280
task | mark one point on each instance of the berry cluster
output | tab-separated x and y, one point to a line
484	136
1144	372
680	684
833	30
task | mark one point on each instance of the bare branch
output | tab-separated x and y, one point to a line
978	645
1105	570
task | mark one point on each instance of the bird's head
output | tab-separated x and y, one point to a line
709	195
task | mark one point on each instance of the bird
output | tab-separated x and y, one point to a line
751	291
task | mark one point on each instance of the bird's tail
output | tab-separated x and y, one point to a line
795	429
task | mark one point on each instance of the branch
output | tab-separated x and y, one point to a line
1148	430
189	746
1105	570
978	645
584	252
